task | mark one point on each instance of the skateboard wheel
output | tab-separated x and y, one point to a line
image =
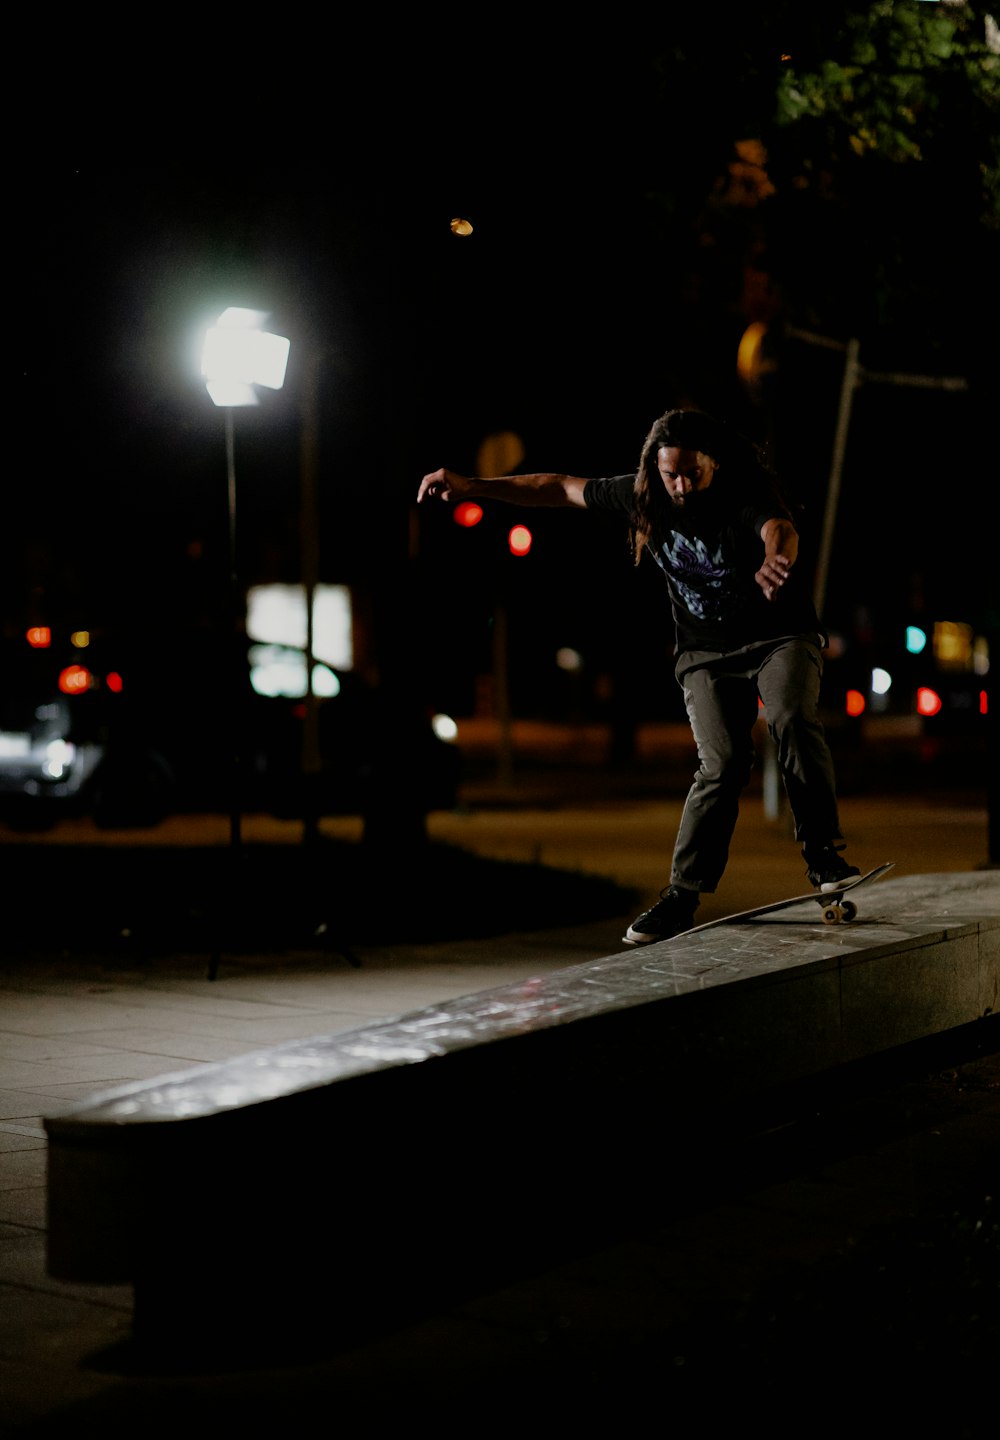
833	914
849	908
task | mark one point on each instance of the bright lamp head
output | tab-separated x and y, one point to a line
238	355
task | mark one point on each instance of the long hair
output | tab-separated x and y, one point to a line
687	430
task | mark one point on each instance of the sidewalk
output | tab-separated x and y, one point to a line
844	1230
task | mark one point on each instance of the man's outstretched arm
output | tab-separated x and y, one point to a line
553	490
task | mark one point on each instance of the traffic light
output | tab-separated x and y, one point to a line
519	540
467	514
75	679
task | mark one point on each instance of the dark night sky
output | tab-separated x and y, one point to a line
566	317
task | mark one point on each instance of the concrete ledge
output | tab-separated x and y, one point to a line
359	1179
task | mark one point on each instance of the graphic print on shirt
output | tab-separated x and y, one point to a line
700	574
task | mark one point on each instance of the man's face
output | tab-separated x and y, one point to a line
684	472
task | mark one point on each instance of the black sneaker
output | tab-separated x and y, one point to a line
826	870
672	914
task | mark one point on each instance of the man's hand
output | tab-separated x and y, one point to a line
781	549
773	574
444	485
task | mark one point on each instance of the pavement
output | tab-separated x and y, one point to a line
852	1258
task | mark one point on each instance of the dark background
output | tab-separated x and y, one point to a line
609	276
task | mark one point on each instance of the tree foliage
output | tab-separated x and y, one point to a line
901	82
856	179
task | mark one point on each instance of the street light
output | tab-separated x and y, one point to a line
237	356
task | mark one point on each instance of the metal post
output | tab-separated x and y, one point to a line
232	670
773	793
309	543
501	694
847	388
235	817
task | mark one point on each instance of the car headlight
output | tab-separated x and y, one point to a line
59	756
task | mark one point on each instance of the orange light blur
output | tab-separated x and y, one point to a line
75	679
39	637
854	702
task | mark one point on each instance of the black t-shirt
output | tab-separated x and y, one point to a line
710	553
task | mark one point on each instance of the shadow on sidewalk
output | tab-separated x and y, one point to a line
328	894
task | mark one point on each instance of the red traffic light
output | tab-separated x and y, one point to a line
519	540
467	514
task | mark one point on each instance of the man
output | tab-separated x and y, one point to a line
708	511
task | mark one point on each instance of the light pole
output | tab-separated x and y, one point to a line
237	356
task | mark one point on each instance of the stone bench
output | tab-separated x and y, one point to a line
333	1186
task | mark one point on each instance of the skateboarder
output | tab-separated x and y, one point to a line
705	507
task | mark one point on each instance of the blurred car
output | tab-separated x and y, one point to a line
38	760
128	742
379	756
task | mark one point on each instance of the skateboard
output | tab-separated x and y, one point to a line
838	905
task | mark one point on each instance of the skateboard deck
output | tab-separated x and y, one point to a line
838	905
